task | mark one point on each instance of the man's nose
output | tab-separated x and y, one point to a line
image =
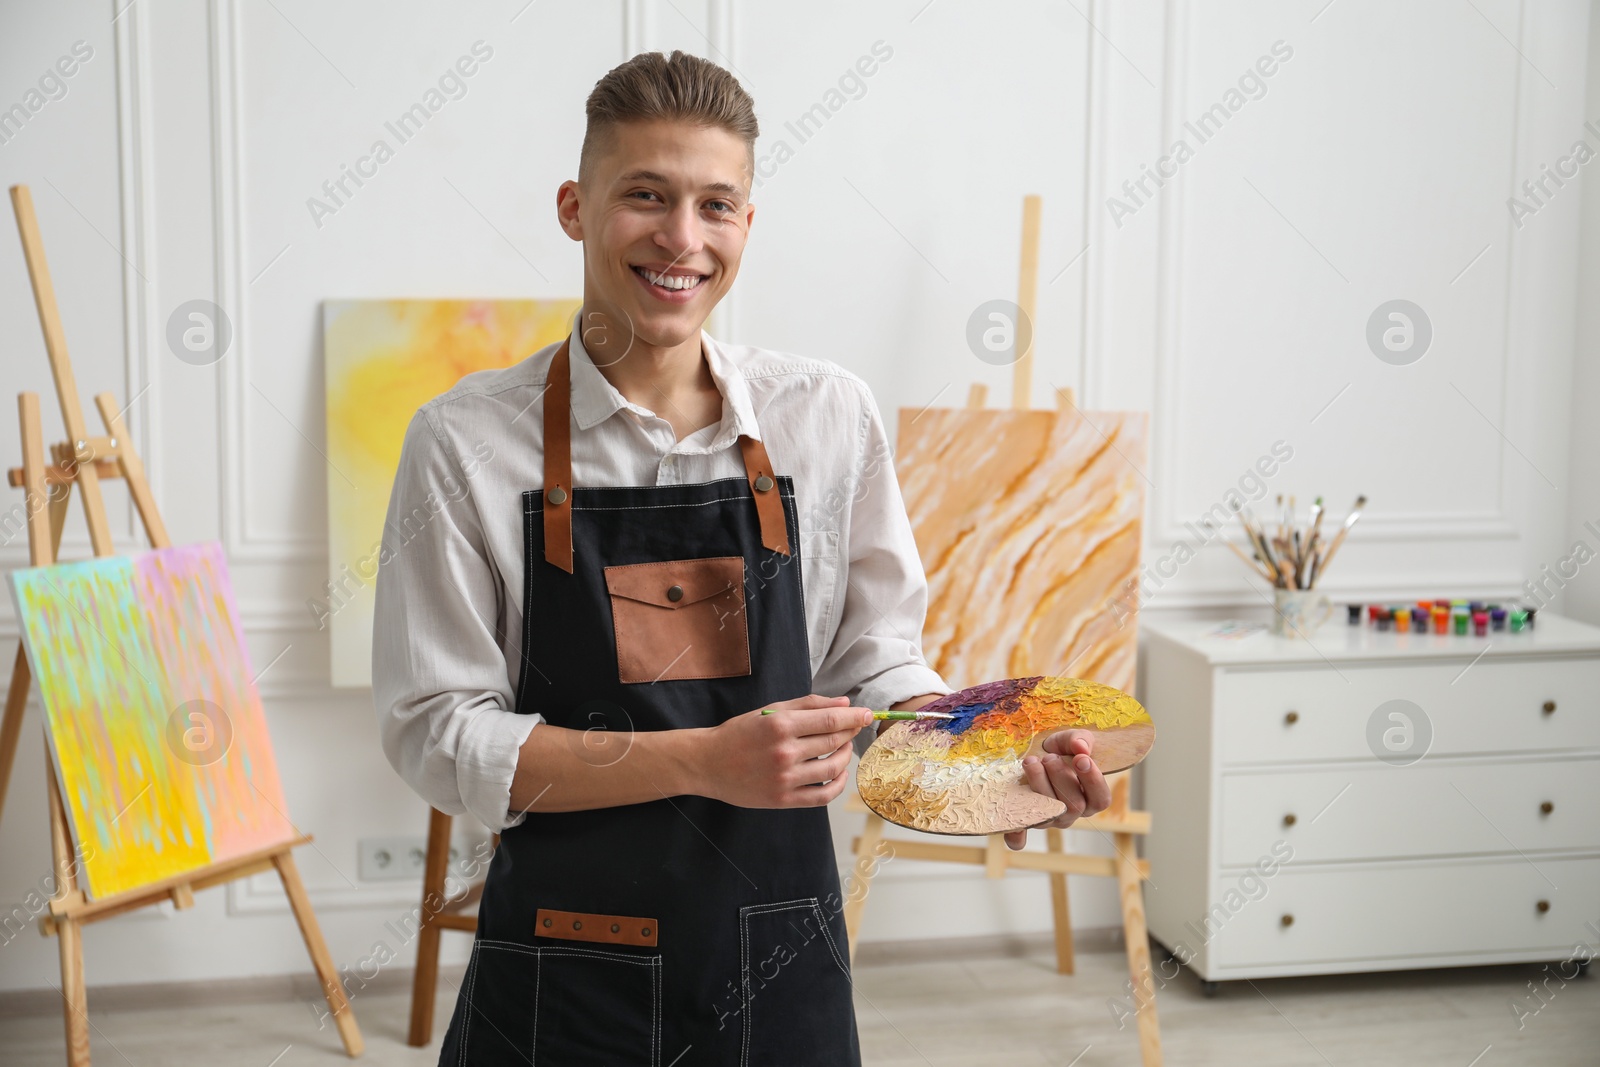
680	232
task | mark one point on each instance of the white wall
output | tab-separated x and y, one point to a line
1376	165
1582	590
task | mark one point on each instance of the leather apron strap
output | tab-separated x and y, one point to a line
558	472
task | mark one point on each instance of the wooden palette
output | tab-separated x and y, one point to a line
964	775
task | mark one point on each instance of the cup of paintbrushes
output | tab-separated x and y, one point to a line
1298	612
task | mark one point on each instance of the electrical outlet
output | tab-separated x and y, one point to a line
397	859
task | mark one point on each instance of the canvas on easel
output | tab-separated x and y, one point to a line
383	359
151	713
239	843
1029	525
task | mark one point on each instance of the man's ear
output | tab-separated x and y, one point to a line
568	201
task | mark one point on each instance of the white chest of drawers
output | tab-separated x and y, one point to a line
1373	801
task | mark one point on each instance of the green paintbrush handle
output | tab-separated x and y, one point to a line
893	715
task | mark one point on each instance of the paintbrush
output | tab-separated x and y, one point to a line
1248	562
1338	538
1259	536
894	715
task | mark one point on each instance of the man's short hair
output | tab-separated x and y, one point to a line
656	86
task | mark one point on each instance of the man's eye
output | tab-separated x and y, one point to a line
643	193
720	206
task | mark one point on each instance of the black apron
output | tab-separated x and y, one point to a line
679	931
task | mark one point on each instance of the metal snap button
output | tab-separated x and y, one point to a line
763	483
556	495
675	594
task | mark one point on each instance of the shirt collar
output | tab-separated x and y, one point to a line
594	399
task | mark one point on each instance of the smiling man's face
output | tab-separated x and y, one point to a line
663	214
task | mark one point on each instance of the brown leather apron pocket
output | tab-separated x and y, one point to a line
554	1004
680	618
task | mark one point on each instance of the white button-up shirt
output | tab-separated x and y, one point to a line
447	629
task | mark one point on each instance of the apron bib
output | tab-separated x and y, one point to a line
679	931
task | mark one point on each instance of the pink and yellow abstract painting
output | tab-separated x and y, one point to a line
1029	526
151	710
383	360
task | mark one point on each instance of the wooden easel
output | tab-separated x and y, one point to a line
438	914
83	460
1118	821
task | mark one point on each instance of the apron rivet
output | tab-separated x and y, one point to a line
556	495
644	931
615	927
675	594
547	922
763	483
576	925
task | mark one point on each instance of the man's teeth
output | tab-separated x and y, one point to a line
670	281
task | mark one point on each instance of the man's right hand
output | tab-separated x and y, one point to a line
794	758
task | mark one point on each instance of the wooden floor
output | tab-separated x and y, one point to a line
966	1004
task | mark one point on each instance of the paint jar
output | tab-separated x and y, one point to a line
1519	619
1461	622
1497	617
1402	620
1298	612
1480	623
1441	619
1355	614
1419	619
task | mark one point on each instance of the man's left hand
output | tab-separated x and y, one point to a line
1065	772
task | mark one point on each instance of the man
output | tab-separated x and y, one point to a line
646	538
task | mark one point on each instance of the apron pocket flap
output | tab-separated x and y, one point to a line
694	580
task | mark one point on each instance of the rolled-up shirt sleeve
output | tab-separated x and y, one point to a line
876	656
441	685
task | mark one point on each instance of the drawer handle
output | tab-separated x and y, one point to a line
1549	707
1543	906
1290	718
1288	920
1289	820
1546	808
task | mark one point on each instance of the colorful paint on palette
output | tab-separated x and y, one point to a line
965	775
152	713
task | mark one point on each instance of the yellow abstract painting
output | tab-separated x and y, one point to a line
152	715
385	359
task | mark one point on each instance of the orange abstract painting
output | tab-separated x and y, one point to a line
1029	524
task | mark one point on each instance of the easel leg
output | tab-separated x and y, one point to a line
11	726
426	980
866	862
74	999
21	673
1137	937
327	974
1059	907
